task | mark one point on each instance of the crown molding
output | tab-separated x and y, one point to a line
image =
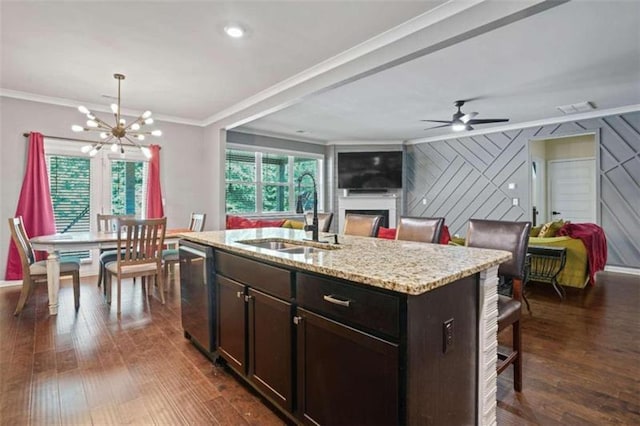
418	23
26	96
361	142
536	123
276	135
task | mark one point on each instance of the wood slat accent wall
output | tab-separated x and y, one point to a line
469	176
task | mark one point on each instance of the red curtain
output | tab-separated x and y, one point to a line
34	204
154	192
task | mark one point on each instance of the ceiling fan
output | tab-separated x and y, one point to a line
461	121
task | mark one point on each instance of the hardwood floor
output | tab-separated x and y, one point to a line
581	362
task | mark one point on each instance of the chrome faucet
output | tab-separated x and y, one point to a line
299	209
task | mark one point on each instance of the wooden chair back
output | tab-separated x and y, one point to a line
421	229
362	225
21	240
140	243
196	224
109	222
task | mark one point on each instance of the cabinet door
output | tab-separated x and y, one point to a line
270	367
345	377
232	323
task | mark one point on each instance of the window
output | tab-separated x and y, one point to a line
266	182
83	186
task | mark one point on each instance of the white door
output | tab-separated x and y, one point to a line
572	190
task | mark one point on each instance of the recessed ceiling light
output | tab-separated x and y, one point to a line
234	30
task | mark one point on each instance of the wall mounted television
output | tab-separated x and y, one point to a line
370	170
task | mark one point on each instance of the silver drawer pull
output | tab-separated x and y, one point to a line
329	298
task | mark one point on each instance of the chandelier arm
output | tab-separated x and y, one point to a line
138	120
97	120
94	129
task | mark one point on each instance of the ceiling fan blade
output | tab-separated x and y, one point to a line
487	120
465	118
438	121
437	127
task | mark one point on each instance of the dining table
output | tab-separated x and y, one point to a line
71	241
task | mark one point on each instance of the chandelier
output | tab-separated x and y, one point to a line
120	134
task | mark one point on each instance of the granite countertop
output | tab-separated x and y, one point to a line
401	266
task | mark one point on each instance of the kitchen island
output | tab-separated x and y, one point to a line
367	331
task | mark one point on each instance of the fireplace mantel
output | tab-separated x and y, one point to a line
368	202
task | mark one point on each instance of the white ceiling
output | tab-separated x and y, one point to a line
179	63
578	51
175	55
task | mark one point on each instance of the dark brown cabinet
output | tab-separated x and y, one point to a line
269	332
232	316
345	376
332	352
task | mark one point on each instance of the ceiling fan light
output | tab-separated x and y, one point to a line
458	127
77	128
234	30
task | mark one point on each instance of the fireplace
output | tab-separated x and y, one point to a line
384	205
383	213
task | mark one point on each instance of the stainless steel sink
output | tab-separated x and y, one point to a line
272	245
286	247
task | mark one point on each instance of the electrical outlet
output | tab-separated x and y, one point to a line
512	185
424	201
515	201
447	335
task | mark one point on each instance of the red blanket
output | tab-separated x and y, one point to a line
594	240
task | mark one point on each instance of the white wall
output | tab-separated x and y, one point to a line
182	162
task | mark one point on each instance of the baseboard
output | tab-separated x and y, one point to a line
12	283
622	270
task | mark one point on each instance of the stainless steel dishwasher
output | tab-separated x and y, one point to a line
197	296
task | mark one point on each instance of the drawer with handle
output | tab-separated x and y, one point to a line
366	309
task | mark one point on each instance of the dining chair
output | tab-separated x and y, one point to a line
170	257
33	270
324	220
421	229
139	254
512	237
107	223
362	225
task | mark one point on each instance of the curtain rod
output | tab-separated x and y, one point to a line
26	135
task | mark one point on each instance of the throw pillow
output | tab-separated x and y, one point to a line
262	223
388	233
293	224
445	237
237	222
535	231
550	229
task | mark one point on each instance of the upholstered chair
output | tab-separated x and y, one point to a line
512	237
324	220
421	229
362	225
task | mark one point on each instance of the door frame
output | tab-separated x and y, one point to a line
595	132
